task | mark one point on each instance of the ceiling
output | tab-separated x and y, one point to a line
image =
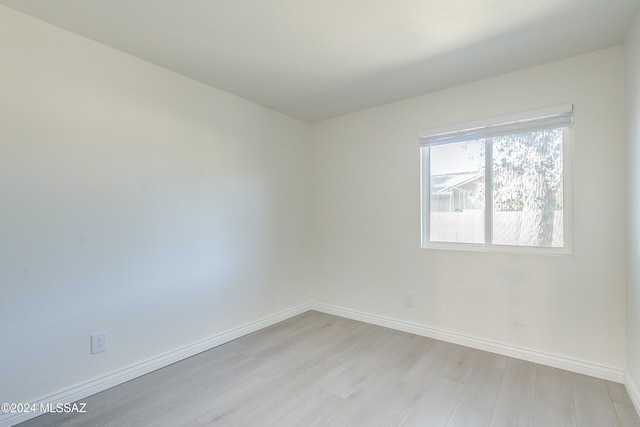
317	59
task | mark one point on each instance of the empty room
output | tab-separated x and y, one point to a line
320	213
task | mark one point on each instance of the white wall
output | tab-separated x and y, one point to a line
367	218
633	208
137	202
163	211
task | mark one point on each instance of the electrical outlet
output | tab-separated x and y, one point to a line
408	300
98	342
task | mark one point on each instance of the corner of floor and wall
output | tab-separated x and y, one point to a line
175	217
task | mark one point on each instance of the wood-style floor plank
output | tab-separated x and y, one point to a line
593	404
436	404
554	399
322	370
432	362
478	399
623	405
354	407
461	364
393	407
514	406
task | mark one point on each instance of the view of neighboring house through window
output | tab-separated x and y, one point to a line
501	183
457	192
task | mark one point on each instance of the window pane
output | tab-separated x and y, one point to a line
527	189
457	192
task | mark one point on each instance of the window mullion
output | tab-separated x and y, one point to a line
425	194
488	191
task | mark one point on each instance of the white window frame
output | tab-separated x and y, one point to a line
518	121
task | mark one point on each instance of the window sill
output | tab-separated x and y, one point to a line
480	247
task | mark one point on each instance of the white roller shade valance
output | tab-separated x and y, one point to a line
549	118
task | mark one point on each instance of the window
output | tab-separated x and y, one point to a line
500	184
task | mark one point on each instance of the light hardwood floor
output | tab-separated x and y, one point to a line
322	370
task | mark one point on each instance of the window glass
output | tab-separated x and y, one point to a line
457	192
527	189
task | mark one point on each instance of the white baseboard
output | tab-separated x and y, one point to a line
97	385
88	388
633	390
556	361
